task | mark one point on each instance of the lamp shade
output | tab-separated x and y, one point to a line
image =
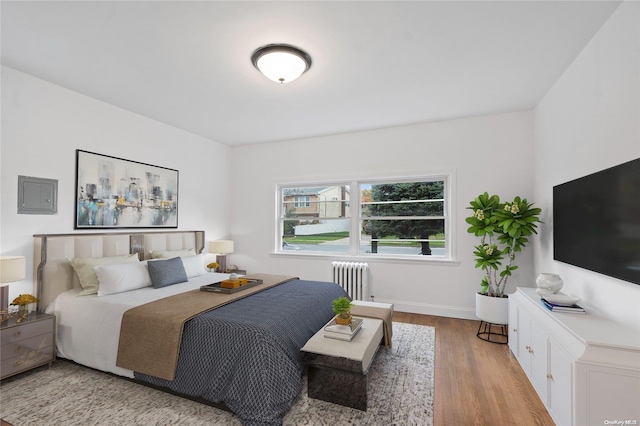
12	268
221	246
281	63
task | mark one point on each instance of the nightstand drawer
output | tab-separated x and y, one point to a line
20	348
26	361
26	331
27	344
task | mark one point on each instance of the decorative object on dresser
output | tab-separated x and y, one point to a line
548	283
503	229
12	269
117	193
221	248
22	302
27	344
585	368
233	269
566	309
562	303
342	307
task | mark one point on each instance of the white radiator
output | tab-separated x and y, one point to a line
353	277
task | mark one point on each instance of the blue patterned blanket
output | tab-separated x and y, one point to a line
247	353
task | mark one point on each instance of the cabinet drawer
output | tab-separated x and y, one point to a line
26	361
21	347
26	331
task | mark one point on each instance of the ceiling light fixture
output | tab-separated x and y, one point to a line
281	63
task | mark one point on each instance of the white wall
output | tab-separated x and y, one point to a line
42	126
492	153
587	122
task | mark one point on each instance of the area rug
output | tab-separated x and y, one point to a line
401	386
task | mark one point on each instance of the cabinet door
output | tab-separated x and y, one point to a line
560	384
539	354
513	327
524	341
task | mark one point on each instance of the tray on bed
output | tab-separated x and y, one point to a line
215	287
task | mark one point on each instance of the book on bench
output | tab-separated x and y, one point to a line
342	332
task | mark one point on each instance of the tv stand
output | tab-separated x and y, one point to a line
585	368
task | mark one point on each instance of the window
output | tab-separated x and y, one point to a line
321	223
302	201
406	218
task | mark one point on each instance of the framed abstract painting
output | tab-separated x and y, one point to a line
117	193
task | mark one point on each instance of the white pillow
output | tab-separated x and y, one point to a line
194	265
122	277
168	254
87	276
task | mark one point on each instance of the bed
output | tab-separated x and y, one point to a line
244	354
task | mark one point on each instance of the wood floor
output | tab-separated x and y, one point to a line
476	382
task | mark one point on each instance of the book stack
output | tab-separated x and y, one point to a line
342	332
565	309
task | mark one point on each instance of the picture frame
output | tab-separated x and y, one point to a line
113	192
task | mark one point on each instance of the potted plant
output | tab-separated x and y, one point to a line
23	301
503	229
342	308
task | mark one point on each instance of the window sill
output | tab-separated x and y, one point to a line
371	259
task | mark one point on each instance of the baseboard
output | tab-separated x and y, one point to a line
427	309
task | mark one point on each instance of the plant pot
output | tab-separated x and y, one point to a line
494	310
23	313
343	321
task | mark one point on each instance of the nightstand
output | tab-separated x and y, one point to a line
28	344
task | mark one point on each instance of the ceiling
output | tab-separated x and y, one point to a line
375	64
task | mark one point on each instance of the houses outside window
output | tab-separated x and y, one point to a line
399	218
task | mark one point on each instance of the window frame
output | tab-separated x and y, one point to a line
355	217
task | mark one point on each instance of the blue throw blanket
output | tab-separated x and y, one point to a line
247	353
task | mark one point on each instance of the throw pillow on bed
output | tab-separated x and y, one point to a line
167	272
87	276
194	265
122	277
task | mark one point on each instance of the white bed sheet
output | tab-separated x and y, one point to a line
88	327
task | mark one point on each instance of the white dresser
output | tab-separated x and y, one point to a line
585	368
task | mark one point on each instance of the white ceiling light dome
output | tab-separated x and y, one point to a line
281	63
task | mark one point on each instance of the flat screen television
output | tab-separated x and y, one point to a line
596	222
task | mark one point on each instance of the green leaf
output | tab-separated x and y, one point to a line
506	224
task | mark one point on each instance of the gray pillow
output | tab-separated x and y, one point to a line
167	272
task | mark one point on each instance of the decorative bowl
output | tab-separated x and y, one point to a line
548	283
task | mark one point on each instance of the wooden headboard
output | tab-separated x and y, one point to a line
53	272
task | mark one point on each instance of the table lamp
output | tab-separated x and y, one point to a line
12	269
221	248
